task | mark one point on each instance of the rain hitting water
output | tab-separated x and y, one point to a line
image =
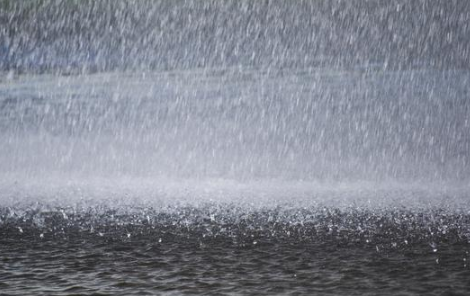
234	147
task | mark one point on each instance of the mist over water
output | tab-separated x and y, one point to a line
234	147
237	89
237	125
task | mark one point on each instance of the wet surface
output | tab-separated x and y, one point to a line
233	147
225	250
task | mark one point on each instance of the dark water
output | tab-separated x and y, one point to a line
251	147
235	182
226	249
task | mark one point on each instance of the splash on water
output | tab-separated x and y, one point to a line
238	147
